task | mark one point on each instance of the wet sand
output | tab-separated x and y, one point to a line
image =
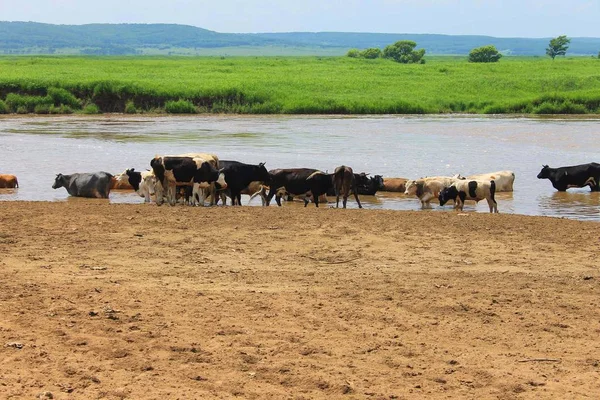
119	301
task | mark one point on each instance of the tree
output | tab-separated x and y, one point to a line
354	53
403	52
558	46
484	54
371	53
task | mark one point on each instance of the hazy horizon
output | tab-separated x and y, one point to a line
497	18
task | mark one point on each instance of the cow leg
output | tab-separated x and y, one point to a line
315	199
171	194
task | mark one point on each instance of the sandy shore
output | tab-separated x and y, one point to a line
136	301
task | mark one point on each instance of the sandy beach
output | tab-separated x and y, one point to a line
125	301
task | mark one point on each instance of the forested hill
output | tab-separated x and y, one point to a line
38	38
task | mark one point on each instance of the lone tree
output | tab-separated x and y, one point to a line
558	46
484	54
404	52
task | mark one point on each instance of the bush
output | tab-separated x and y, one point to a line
403	52
130	108
354	53
180	107
42	109
484	54
25	104
61	96
3	107
371	53
91	108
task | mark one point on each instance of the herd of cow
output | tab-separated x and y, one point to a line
194	177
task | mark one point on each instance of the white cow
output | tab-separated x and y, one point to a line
504	179
428	188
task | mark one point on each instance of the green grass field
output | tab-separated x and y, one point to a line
298	85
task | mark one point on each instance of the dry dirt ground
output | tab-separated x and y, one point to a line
116	301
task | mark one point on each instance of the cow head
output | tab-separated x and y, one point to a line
134	178
414	187
377	182
544	173
263	174
158	167
447	194
59	181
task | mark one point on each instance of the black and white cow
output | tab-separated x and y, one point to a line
574	176
142	182
171	171
94	185
462	190
239	177
291	181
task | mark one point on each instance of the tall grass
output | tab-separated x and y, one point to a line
300	85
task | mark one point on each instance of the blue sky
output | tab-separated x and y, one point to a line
502	18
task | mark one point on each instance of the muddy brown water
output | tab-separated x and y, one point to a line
37	148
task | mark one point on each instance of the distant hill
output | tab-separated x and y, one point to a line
124	39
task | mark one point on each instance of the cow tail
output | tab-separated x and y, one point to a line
16	183
493	190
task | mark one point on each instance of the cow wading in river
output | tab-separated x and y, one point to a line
462	190
342	181
577	176
184	170
241	177
94	185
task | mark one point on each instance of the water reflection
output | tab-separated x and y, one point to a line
582	204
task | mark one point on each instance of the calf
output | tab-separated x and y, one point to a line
95	185
8	181
463	190
319	183
574	176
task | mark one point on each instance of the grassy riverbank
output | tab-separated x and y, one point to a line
297	85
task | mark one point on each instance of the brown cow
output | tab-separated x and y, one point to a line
8	182
343	182
394	184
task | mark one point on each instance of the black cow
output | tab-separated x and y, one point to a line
574	176
95	185
189	171
342	181
239	176
368	185
292	181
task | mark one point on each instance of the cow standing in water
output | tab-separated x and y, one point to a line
462	190
186	170
575	176
344	182
341	182
94	185
8	182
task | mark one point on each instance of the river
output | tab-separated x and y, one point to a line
37	148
